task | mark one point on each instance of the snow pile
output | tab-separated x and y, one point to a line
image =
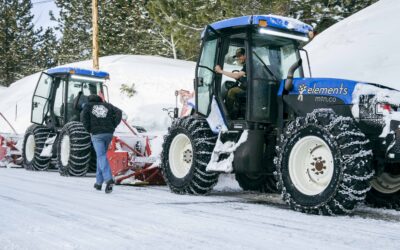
363	47
155	79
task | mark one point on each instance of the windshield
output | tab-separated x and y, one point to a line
273	56
87	86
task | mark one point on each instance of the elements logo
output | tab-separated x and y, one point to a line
302	88
314	90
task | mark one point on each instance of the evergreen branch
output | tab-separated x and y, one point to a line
189	27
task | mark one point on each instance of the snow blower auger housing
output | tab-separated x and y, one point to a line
325	144
57	137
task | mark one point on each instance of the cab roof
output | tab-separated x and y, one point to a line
78	71
278	22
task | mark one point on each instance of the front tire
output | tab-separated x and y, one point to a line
323	164
33	144
73	150
186	152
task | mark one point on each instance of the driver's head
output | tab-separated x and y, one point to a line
240	55
92	88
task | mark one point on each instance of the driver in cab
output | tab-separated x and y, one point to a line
240	76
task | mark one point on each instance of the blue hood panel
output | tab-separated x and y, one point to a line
331	87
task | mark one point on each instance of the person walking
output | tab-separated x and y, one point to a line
100	119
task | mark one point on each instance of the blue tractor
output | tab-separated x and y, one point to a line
325	144
57	137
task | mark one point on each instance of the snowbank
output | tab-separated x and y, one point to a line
363	47
155	79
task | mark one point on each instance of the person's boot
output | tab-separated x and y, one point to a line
109	186
97	186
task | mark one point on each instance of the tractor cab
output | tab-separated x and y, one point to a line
271	45
61	93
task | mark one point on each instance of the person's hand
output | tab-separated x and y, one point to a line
218	69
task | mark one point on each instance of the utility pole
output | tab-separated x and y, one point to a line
95	28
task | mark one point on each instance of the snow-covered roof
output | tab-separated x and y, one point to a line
78	71
279	22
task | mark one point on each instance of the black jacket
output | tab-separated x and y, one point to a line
99	117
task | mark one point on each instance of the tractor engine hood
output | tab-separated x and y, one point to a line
375	108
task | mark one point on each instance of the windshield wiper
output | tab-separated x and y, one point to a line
266	66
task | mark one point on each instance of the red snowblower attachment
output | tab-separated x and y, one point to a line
10	145
131	161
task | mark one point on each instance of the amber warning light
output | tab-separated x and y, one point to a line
262	23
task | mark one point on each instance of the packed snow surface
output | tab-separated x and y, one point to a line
43	210
155	80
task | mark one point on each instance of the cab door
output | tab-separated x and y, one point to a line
40	99
205	74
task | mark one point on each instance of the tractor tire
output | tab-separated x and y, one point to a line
265	183
53	163
34	139
385	189
186	152
73	150
323	164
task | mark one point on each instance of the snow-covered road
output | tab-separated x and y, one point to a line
42	210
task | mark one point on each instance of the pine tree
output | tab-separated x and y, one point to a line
47	50
182	21
27	39
17	40
75	24
321	14
124	28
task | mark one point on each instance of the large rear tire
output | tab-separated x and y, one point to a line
186	152
265	183
323	164
385	191
73	150
34	140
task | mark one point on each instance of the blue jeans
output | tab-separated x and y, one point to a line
100	144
